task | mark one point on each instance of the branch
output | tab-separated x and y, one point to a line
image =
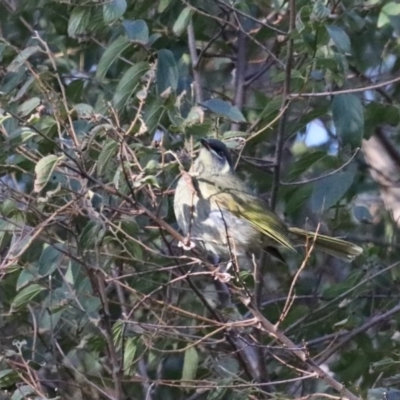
280	140
363	328
195	63
267	326
345	91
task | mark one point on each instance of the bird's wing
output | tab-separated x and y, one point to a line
248	207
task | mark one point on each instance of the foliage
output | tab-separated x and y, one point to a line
102	104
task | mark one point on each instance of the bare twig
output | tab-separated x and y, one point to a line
195	63
280	140
299	353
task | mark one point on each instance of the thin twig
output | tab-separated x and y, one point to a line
280	140
304	182
299	353
195	63
344	91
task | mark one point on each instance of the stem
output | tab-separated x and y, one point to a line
280	140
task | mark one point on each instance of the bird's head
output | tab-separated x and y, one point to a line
214	158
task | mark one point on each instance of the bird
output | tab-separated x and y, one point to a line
221	215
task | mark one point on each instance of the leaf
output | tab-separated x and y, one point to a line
304	163
26	295
163	5
110	55
196	115
320	11
43	170
377	114
348	117
28	106
137	30
108	151
182	22
391	9
298	198
50	259
21	135
23	392
220	391
84	110
340	38
152	113
235	134
26	276
383	394
78	21
190	364
113	9
362	214
167	71
225	109
21	58
328	191
129	354
8	378
128	83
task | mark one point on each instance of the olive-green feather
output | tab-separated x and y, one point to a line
226	194
248	207
339	248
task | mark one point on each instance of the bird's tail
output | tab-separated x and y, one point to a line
339	248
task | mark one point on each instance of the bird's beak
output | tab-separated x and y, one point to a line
204	143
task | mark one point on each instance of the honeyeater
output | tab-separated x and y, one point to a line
221	215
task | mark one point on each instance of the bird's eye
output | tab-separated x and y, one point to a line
220	153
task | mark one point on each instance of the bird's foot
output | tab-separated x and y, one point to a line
222	276
187	244
221	273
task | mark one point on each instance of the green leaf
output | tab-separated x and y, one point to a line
21	135
348	117
21	58
26	295
225	109
320	11
383	394
340	38
182	22
232	134
28	106
128	83
26	276
84	110
113	9
78	21
190	364
23	392
8	378
167	71
129	354
389	10
163	5
50	259
377	114
137	30
152	113
298	198
362	214
328	191
110	55
43	170
304	163
196	115
220	391
108	151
